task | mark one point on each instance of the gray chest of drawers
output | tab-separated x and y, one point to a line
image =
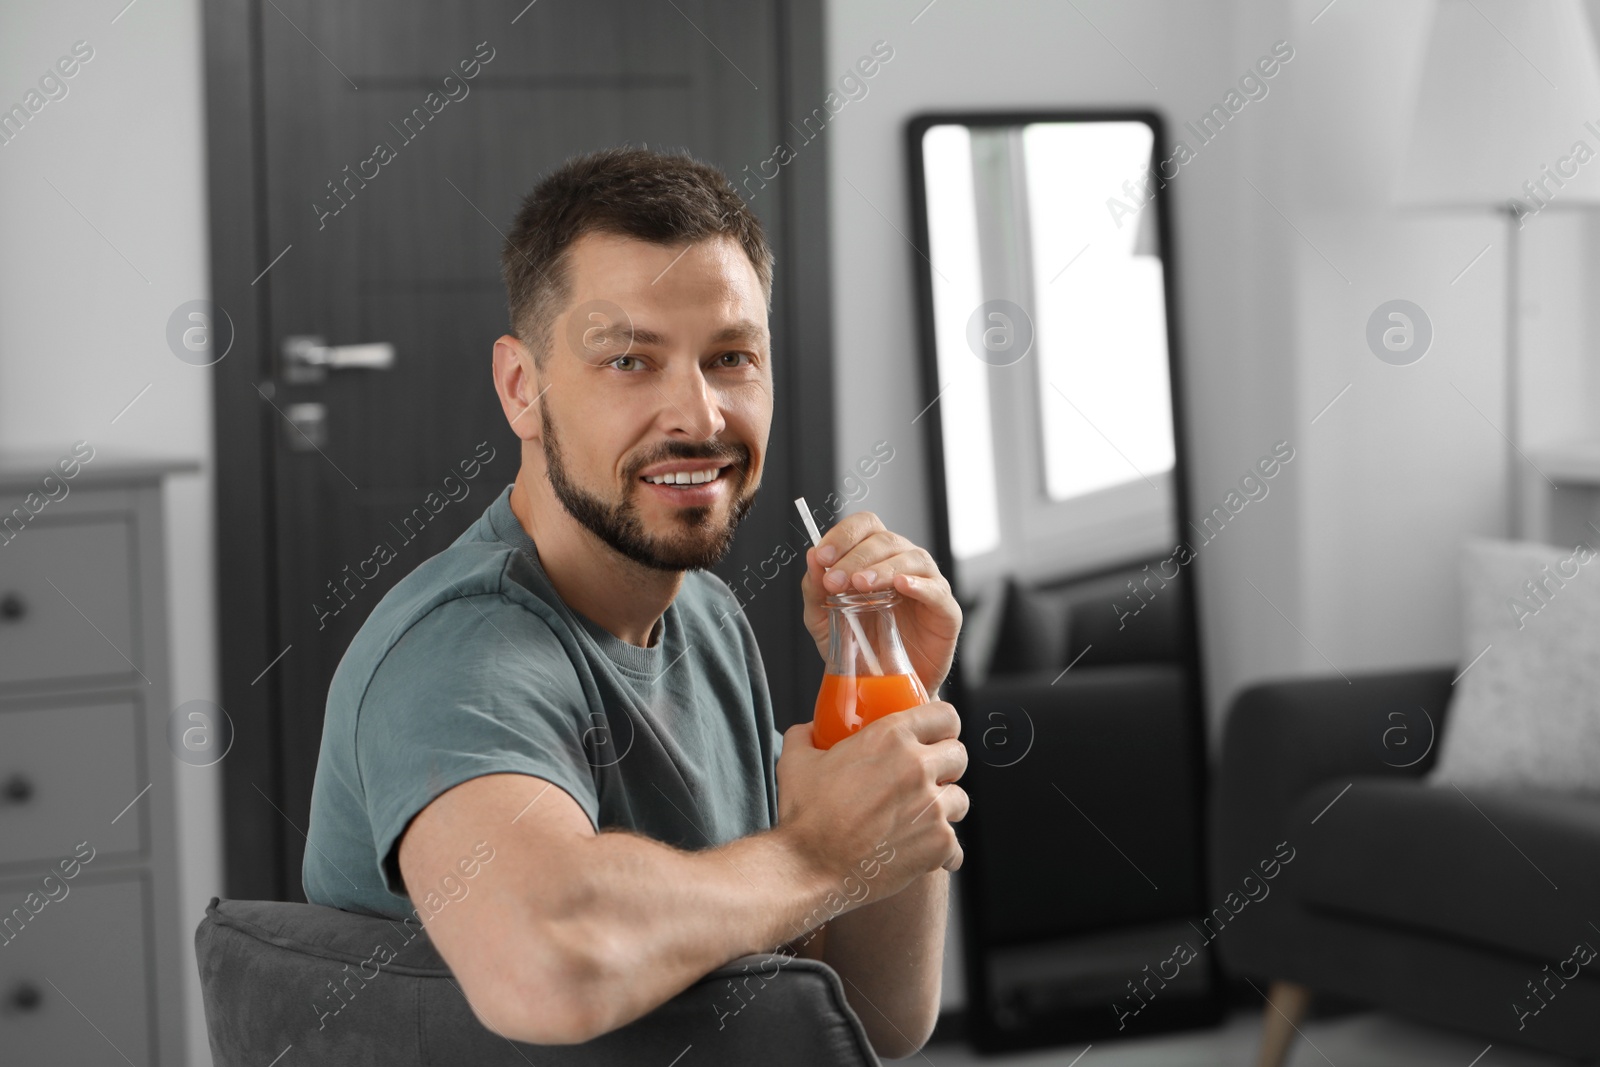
91	948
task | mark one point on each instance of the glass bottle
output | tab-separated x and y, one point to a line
854	693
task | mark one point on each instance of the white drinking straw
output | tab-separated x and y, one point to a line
816	539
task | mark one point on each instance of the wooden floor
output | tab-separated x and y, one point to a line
1364	1040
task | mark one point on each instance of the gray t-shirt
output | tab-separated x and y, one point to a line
473	665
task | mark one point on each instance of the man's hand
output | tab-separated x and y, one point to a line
891	783
867	557
874	812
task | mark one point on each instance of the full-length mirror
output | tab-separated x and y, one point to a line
1054	429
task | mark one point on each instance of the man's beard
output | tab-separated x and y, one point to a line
698	544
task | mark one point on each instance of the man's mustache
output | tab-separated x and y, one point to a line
737	457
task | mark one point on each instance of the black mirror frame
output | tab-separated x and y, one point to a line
979	1023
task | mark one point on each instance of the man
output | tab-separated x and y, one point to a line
561	722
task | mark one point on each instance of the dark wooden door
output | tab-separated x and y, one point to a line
366	158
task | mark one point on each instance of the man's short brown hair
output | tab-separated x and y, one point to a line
633	192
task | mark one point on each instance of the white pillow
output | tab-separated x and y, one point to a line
1528	711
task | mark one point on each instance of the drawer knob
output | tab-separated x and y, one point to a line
26	996
17	790
12	608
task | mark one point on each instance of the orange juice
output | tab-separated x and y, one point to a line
847	703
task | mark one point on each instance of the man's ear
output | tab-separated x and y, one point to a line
516	380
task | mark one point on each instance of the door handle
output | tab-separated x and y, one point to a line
307	358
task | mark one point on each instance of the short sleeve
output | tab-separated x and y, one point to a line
480	685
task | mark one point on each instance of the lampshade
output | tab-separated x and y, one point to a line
1507	89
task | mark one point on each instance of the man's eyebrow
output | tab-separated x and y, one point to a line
620	333
743	330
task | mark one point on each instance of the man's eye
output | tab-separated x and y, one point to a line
746	355
619	359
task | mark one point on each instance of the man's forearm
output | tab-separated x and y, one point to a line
890	953
659	918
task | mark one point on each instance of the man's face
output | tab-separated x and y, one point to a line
661	357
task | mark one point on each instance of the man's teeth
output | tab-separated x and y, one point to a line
684	477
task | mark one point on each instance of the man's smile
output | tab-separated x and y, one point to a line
695	486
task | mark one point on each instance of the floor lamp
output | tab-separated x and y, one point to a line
1508	89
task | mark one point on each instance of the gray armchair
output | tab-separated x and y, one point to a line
351	990
1456	907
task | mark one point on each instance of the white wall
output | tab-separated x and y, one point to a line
1404	468
81	332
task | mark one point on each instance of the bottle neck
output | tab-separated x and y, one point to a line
868	617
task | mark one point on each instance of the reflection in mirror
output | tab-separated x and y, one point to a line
1061	462
1057	480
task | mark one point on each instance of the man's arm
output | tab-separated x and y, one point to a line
890	953
568	934
574	934
810	946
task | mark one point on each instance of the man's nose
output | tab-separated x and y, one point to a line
692	406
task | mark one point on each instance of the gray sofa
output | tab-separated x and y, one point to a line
1456	907
278	975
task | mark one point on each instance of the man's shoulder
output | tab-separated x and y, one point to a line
467	569
473	579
